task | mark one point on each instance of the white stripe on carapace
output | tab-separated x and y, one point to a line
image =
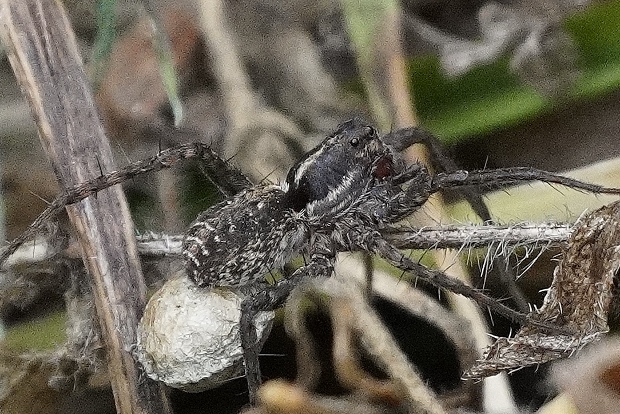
301	170
346	182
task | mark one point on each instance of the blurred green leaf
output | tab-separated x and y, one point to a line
104	39
598	39
490	96
363	18
165	61
484	98
39	334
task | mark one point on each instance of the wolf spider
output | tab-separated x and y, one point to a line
341	196
344	195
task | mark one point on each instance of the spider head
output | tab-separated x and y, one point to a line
344	165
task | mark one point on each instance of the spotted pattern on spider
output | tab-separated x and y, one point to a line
349	180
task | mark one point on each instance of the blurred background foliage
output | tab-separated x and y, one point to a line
491	96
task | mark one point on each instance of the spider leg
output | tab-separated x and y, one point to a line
402	139
228	180
378	245
441	162
445	164
504	177
269	298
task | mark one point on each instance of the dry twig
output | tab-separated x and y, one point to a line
353	317
43	52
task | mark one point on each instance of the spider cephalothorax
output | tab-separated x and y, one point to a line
336	172
239	240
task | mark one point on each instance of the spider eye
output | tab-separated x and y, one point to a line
369	131
354	142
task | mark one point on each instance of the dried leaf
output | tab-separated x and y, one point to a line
579	299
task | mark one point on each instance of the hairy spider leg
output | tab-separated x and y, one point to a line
321	264
440	161
443	163
441	280
505	177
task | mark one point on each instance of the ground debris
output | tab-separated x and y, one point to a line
579	299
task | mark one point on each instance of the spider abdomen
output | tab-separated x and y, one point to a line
239	240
